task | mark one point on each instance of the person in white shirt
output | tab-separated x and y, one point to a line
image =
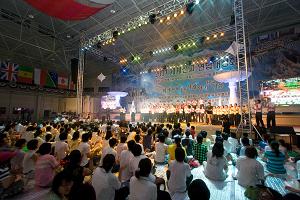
142	186
137	139
61	148
234	142
250	171
178	173
29	160
216	166
110	149
104	181
121	147
258	114
271	114
84	149
160	149
125	157
134	162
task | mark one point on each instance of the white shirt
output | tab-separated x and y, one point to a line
142	189
134	163
107	150
121	147
105	184
179	173
125	157
84	148
214	168
160	152
60	149
28	162
234	144
227	147
250	171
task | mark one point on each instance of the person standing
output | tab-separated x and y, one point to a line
209	112
258	114
270	114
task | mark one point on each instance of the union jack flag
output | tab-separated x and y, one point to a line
9	71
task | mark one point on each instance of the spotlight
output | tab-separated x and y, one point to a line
226	57
168	18
128	29
222	34
152	18
123	31
140	25
215	36
222	58
115	34
194	44
98	45
175	47
190	7
201	40
207	38
161	20
232	20
175	15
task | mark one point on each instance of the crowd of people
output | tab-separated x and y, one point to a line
108	161
190	111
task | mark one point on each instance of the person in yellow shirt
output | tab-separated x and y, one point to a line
172	147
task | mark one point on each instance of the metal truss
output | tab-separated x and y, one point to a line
160	11
79	94
100	54
245	125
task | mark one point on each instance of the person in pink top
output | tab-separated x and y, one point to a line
45	166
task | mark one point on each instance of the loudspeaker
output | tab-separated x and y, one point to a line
74	70
282	130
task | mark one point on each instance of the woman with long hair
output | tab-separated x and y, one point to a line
216	166
275	159
142	185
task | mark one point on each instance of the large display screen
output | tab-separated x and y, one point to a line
282	91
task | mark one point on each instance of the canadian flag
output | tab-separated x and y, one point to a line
62	82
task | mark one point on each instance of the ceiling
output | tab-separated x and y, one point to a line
30	37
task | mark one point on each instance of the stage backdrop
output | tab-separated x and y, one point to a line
272	55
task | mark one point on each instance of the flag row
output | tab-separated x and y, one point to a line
25	74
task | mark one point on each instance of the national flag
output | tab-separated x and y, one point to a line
9	71
62	82
25	74
40	76
51	79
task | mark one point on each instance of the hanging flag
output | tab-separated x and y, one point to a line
51	79
233	49
62	82
25	74
40	76
9	71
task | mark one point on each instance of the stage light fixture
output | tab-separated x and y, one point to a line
168	18
207	38
222	57
175	15
115	34
194	44
161	20
123	31
222	34
152	18
232	20
226	57
175	47
215	36
182	12
190	7
140	25
98	45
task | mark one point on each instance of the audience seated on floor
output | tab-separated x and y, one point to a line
105	161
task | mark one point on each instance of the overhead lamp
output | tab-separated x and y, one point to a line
161	20
226	57
128	29
175	15
222	58
190	7
123	31
182	12
168	18
184	46
134	27
215	36
140	25
222	34
152	18
207	38
194	43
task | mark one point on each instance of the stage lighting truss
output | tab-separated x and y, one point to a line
136	22
195	61
190	43
101	55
